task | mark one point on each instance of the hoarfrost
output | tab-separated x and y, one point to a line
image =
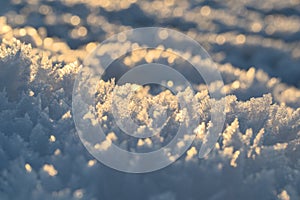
257	155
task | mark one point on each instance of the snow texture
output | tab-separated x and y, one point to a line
257	154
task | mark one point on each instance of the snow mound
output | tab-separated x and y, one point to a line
256	156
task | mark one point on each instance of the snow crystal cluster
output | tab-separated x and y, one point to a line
257	153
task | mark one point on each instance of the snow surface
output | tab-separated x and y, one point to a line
256	44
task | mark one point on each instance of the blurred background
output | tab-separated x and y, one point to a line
260	34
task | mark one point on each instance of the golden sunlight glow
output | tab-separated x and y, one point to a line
50	169
28	167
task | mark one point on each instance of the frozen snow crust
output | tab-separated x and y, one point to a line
258	148
256	156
